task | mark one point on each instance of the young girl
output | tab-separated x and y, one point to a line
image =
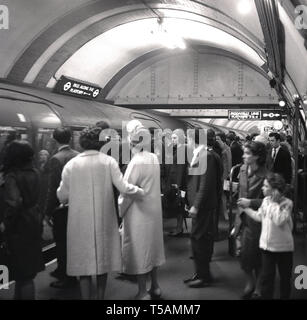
276	240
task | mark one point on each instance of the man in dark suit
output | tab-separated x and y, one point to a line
281	158
52	212
204	190
236	149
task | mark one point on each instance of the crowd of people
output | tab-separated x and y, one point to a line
108	216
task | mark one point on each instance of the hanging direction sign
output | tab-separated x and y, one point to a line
271	115
243	115
77	88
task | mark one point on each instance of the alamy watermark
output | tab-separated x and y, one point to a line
301	20
4	17
159	142
300	282
4	277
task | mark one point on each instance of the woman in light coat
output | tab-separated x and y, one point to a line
142	233
93	240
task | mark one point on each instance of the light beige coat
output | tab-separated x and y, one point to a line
142	233
93	240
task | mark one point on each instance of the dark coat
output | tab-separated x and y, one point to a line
250	187
236	153
204	193
176	172
22	221
55	167
282	164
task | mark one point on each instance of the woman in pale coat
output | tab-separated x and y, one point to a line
93	240
142	234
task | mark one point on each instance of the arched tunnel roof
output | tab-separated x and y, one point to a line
105	41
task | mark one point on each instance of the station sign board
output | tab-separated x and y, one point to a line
77	88
243	115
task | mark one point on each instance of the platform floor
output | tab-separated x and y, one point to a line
228	284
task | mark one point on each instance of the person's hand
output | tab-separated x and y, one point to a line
193	212
244	203
2	227
48	220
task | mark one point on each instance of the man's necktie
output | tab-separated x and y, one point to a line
274	154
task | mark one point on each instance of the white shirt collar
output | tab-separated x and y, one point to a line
198	149
276	150
63	147
196	152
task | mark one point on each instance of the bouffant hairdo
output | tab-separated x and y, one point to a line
18	154
89	138
257	149
276	181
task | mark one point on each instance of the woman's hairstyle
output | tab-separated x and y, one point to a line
276	181
44	152
89	138
18	154
222	135
141	139
257	149
180	134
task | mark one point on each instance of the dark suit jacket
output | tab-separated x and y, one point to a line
176	172
55	166
282	164
204	192
236	153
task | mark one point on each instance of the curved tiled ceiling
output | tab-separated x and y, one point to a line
111	55
72	26
61	39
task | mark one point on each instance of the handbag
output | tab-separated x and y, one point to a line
173	203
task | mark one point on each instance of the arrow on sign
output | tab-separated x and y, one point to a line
271	115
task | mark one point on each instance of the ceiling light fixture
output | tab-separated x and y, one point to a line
166	37
244	6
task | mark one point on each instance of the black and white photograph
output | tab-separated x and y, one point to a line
153	153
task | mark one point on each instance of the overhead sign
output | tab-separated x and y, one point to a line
77	88
244	115
271	115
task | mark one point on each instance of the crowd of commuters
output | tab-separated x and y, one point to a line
98	229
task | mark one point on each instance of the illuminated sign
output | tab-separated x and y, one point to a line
77	88
244	115
271	115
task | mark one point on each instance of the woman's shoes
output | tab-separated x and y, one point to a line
145	297
256	296
247	295
155	293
